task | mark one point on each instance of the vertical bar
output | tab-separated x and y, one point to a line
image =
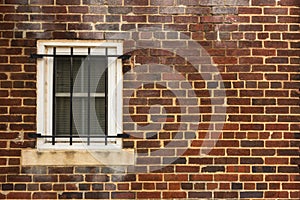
54	97
89	96
71	97
106	96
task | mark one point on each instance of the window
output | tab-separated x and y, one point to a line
79	94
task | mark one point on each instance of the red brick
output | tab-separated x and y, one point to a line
42	2
19	195
277	60
44	195
147	195
123	195
294	11
291	36
289	3
276	11
238	152
289	19
134	18
250	27
174	194
9	170
19	178
263	2
162	3
150	177
145	10
226	160
227	177
276	194
68	18
249	10
16	17
186	19
70	178
97	195
176	177
277	177
252	126
241	169
54	9
225	60
263	19
188	169
96	178
211	19
251	60
246	178
7	9
78	9
136	2
276	160
66	2
264	52
226	195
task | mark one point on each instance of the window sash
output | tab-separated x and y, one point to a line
75	95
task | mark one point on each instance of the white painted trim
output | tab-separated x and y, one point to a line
45	95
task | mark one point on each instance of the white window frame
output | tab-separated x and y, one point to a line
45	94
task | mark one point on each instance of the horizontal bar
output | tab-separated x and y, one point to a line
123	57
38	135
77	94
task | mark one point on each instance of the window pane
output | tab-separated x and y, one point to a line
62	116
80	74
63	74
98	68
98	122
63	67
80	95
80	116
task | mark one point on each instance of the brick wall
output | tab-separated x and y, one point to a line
211	98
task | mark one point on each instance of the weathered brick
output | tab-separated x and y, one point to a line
96	178
65	2
119	10
225	195
42	2
224	10
145	10
44	195
70	178
263	2
71	195
96	195
251	195
263	169
54	9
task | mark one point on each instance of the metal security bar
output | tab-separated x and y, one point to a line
54	98
71	97
36	56
38	135
71	70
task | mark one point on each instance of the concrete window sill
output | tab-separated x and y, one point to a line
80	157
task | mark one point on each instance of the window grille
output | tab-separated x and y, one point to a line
66	92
